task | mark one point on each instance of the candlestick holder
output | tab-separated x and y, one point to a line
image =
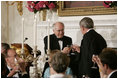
35	69
48	53
22	54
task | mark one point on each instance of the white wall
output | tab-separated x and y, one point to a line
106	25
4	22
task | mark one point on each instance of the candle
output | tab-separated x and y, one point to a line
22	35
35	36
48	36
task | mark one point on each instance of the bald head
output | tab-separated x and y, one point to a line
55	25
58	29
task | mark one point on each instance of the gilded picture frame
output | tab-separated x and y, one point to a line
80	11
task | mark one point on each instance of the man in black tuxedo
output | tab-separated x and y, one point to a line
92	43
58	40
16	67
107	63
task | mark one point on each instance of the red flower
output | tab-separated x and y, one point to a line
35	6
41	4
51	5
107	4
30	9
29	2
46	3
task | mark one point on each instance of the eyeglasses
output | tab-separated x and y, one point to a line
60	30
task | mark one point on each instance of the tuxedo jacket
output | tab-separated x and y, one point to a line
20	76
5	74
54	44
92	43
114	75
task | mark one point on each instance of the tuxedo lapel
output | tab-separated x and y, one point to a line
58	46
64	43
55	42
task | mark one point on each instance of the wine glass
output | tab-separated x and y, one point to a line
70	47
94	67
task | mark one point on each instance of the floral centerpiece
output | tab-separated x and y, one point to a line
110	4
36	6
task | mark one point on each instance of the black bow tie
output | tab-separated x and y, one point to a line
11	69
60	39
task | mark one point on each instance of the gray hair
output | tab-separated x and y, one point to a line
53	26
87	22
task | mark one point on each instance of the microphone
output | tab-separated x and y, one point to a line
25	39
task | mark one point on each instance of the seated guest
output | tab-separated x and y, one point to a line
58	65
4	48
15	65
107	63
47	71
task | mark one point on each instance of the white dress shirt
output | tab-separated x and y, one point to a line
111	73
60	44
15	75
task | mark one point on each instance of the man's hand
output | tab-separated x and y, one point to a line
76	48
13	71
22	64
66	50
100	65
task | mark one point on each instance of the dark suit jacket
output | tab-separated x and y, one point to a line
92	43
5	74
20	76
55	45
114	75
54	42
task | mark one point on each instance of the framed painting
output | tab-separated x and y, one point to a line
79	8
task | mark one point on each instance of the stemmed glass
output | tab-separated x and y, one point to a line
69	45
94	67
